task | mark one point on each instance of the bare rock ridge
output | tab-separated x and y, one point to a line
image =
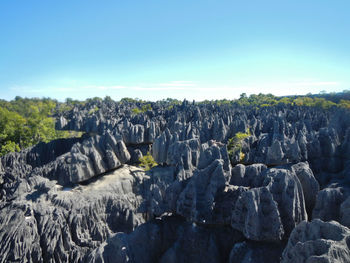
283	197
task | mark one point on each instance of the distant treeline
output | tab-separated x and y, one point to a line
323	100
25	122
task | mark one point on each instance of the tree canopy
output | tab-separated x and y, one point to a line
26	122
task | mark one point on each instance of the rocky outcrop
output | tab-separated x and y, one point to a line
250	175
161	145
309	184
272	207
328	203
50	223
256	215
184	154
318	241
244	252
196	201
83	200
345	213
168	239
138	133
90	158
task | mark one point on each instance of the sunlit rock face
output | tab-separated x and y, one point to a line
283	196
318	241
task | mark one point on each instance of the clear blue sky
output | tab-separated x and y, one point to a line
180	49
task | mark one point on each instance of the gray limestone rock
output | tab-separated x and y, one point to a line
92	157
168	239
288	194
249	252
272	207
134	134
309	184
318	241
256	215
274	154
184	154
51	223
61	123
345	213
161	146
225	202
250	175
328	203
91	215
197	199
213	151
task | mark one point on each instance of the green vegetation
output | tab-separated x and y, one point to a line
344	104
131	100
324	101
170	103
25	122
314	102
143	109
147	162
234	144
92	111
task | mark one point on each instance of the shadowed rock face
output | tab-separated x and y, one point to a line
83	200
168	240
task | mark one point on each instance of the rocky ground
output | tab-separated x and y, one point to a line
284	197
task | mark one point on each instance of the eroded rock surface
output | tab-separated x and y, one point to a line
318	241
50	223
83	199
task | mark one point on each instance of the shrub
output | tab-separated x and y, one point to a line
93	110
8	147
147	162
234	144
143	109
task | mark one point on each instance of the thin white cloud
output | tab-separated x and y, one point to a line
310	83
177	84
116	87
159	88
64	89
20	88
28	89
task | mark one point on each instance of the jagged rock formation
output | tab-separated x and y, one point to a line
272	207
92	157
318	241
49	223
83	199
169	240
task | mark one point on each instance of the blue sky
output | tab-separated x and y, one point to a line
179	49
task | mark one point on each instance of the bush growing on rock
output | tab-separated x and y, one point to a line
143	109
234	144
93	110
147	162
